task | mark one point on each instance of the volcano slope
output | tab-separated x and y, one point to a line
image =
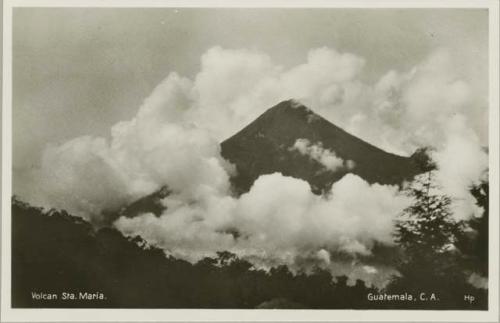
291	139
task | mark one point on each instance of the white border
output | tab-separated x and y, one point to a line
257	3
150	315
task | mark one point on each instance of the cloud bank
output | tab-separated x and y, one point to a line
174	140
278	226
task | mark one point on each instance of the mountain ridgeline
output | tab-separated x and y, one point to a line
265	146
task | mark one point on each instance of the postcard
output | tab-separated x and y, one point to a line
250	161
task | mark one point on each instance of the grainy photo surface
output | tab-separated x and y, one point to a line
250	158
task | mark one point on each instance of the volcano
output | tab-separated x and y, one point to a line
267	145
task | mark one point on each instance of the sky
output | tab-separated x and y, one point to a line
79	71
110	105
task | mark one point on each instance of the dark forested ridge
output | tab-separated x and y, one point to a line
56	253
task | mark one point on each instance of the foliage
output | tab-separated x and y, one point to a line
474	243
426	228
430	261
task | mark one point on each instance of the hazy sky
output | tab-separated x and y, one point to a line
79	71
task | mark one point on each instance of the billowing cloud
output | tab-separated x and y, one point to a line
462	163
321	155
334	221
277	226
161	146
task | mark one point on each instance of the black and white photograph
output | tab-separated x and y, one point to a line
222	157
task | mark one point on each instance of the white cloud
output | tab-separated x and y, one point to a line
160	146
323	156
277	225
370	269
61	183
462	163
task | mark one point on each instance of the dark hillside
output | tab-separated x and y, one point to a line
57	253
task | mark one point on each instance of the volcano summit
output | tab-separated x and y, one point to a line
291	139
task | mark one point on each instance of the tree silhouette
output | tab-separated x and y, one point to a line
427	233
473	243
426	228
